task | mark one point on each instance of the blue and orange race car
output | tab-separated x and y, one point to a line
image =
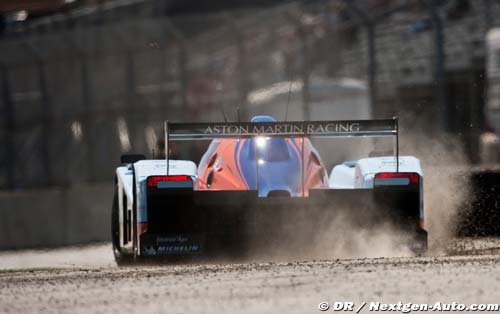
259	179
269	165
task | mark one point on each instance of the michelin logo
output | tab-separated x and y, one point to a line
150	250
172	249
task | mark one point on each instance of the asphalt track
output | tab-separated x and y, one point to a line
85	280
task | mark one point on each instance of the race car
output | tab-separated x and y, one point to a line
260	178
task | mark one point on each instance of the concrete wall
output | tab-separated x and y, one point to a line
55	217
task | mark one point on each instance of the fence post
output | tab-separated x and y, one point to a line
305	69
243	83
372	65
9	123
305	73
439	65
131	115
369	24
130	88
488	21
46	109
46	120
183	71
76	48
87	101
242	70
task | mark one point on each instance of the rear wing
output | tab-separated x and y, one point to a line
345	128
339	128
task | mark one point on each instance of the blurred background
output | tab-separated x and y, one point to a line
83	81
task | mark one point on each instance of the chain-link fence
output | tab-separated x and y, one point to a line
77	91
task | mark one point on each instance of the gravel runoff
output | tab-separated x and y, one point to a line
85	280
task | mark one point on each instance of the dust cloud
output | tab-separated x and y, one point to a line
446	183
323	235
446	190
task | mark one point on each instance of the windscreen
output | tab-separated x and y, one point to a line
268	149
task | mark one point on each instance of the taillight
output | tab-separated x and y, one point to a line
396	178
154	181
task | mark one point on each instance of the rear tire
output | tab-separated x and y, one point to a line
121	258
421	240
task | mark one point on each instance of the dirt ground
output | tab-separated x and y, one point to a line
85	280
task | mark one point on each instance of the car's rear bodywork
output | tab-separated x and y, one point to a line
262	179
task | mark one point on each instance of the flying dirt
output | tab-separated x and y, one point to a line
345	264
85	280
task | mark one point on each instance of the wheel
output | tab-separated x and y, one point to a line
121	258
421	242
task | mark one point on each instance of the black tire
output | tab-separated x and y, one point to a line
422	242
121	258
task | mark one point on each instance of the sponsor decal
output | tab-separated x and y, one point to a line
150	250
283	128
178	249
288	128
172	249
171	239
171	244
